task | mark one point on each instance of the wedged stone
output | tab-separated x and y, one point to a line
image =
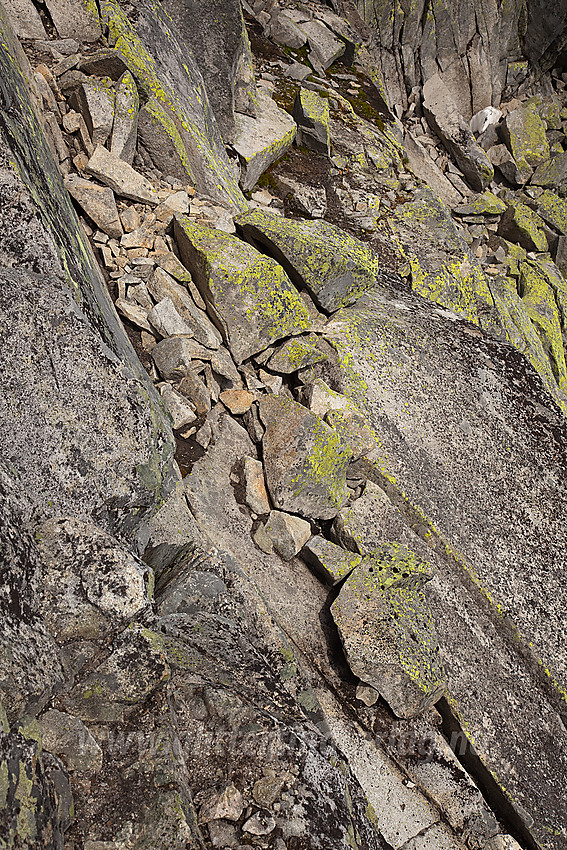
284	30
68	737
134	313
171	264
173	356
331	562
75	19
423	166
552	173
256	493
166	320
387	630
310	201
353	428
237	401
454	132
515	173
288	533
261	823
161	285
98	202
161	138
296	354
359	526
520	224
305	461
260	141
553	210
485	204
524	133
25	19
95	101
125	126
106	62
331	264
226	804
298	71
249	295
193	388
325	47
311	112
91	585
181	412
121	177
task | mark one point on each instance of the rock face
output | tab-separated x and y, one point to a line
335	620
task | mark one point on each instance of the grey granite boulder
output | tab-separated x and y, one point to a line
305	461
248	295
263	139
524	132
311	112
454	132
335	267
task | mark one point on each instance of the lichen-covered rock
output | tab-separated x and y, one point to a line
331	562
331	264
553	210
311	112
248	294
543	310
68	737
486	204
125	126
296	354
552	173
262	140
387	631
524	132
36	805
160	138
359	527
455	134
520	224
305	461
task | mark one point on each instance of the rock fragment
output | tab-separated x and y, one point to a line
237	401
311	112
256	494
296	354
524	133
325	46
75	19
95	101
68	737
305	461
166	320
226	804
288	533
181	411
125	126
121	177
262	140
161	285
98	202
331	562
520	224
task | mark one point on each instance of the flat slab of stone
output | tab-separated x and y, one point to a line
305	461
75	19
262	140
121	177
455	133
98	202
553	210
325	46
125	126
25	19
387	630
95	101
248	294
521	224
296	354
334	267
552	173
524	132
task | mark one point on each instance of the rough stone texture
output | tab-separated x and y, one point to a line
247	294
553	210
524	132
520	224
454	132
75	19
25	19
262	140
425	168
256	493
331	264
387	630
311	112
288	533
329	561
167	73
161	285
552	173
304	460
121	177
95	101
488	424
325	47
296	354
69	738
125	126
98	203
217	37
514	173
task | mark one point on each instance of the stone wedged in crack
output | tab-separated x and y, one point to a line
95	101
332	563
305	461
125	125
331	264
263	139
75	19
311	112
387	630
524	133
68	738
521	224
249	295
287	533
553	210
121	177
455	134
552	173
98	202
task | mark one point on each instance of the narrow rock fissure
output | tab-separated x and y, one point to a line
493	794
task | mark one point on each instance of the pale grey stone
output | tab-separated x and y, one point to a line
325	48
98	202
121	177
166	320
68	737
125	126
288	533
262	140
181	412
95	101
331	562
75	19
162	285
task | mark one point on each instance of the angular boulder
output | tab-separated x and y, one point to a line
248	295
98	202
455	133
311	112
524	133
305	461
262	140
520	224
125	126
387	630
124	180
334	267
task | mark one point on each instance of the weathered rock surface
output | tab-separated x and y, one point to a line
305	460
121	177
311	112
249	295
334	267
98	202
263	139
